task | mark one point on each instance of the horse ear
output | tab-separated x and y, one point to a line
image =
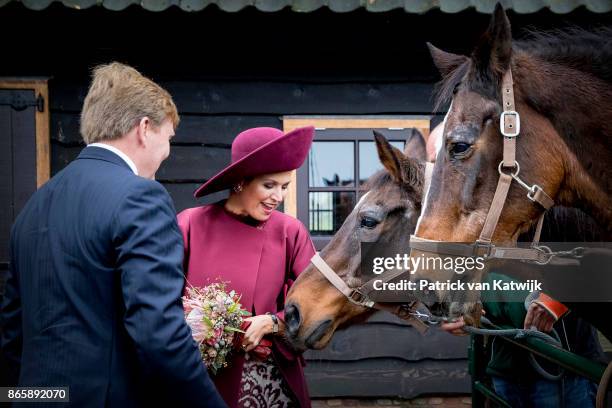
404	170
415	146
390	157
493	53
446	62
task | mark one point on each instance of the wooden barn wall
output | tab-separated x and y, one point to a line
214	112
385	357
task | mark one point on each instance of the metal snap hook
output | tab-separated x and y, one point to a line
532	192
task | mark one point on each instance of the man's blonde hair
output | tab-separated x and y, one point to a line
118	98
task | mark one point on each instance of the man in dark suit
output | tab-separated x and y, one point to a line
93	297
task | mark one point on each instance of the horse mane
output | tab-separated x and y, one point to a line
445	88
565	224
588	51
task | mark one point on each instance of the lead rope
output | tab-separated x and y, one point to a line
513	334
602	389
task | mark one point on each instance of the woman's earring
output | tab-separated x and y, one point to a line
238	188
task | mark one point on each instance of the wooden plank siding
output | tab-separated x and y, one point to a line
6	185
214	112
385	357
386	377
361	342
278	98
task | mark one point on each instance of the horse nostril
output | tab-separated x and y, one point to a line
292	319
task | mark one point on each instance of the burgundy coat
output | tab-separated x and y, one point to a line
258	263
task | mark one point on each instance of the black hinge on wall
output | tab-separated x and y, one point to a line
19	102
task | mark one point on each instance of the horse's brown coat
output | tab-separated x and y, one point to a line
562	86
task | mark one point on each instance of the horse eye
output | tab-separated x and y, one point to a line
368	222
460	147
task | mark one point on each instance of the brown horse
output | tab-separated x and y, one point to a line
562	88
386	214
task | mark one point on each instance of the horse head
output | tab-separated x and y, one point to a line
551	151
388	212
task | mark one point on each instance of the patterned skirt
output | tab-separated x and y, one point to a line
263	386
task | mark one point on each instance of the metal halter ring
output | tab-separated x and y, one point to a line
577	252
531	190
546	251
512	174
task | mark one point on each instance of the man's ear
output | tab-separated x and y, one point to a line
141	130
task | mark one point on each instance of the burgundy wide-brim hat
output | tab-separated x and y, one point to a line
261	151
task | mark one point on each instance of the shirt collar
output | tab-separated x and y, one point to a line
119	153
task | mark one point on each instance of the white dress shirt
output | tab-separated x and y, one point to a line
119	153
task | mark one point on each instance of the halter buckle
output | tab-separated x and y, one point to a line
360	299
482	249
517	124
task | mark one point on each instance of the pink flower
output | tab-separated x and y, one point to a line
212	314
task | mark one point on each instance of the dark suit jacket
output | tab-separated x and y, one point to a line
93	297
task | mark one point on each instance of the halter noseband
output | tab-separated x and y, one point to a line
360	296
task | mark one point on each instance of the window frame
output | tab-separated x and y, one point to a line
297	201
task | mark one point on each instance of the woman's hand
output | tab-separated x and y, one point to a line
260	326
456	328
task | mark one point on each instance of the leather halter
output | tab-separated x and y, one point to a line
509	169
360	295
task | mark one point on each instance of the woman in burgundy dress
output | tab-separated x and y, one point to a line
258	251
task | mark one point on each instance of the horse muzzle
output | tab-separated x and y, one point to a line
316	336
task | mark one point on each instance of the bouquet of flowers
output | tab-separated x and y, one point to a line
215	318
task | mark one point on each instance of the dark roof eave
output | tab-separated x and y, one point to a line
339	6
